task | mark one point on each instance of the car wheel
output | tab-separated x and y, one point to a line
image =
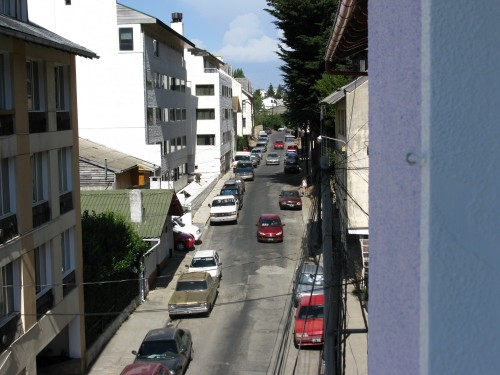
210	307
191	355
181	246
295	343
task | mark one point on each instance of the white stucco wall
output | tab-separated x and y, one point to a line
434	177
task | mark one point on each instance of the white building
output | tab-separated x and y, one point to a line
135	98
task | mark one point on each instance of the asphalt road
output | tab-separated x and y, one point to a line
250	328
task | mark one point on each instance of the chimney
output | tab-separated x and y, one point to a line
176	23
136	208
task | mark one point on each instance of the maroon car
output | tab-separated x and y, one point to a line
290	199
279	145
183	241
269	228
146	369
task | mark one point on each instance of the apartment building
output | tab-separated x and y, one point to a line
41	294
242	91
135	98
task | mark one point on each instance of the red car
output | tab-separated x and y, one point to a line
293	148
290	199
146	369
183	241
269	228
279	145
309	321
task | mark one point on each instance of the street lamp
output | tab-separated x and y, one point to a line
320	137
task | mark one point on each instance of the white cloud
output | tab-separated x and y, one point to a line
245	41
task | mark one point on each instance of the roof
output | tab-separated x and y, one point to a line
204	253
160	334
114	160
340	93
157	203
31	32
311	300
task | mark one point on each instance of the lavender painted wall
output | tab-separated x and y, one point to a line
434	225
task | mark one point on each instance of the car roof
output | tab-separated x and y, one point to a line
269	216
194	276
160	334
311	268
223	197
315	299
204	253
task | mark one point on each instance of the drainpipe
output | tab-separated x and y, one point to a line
142	279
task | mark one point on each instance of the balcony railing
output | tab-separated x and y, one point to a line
38	122
66	202
211	70
44	303
8	228
69	283
63	121
41	214
6	123
10	329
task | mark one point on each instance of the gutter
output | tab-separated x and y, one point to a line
344	13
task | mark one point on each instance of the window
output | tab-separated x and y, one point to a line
6	186
9	289
67	251
205	114
172	145
42	268
126	37
5	94
39	174
64	157
62	90
340	120
33	85
205	139
150	116
156	47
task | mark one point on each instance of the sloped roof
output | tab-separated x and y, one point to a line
114	160
31	32
340	93
157	203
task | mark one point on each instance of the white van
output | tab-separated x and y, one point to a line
262	133
224	208
241	156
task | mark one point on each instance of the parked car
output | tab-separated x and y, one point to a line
308	281
291	165
171	347
279	145
241	156
255	160
235	191
263	139
281	129
146	369
269	228
195	293
181	226
244	171
259	152
240	184
262	145
183	241
268	130
206	261
223	208
272	158
293	147
290	199
289	138
309	321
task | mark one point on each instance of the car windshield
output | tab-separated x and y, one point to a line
309	279
289	194
184	286
270	222
244	170
272	155
311	312
242	157
229	192
158	349
203	262
223	202
178	222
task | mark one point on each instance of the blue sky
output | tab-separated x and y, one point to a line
239	31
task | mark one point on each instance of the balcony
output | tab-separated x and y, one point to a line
65	202
211	70
38	122
8	228
6	123
10	329
41	214
69	283
63	121
44	303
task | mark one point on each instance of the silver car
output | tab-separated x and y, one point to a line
308	281
272	158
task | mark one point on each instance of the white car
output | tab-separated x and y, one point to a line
224	208
180	226
208	261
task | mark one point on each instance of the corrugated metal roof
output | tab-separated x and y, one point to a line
340	93
116	161
33	33
158	204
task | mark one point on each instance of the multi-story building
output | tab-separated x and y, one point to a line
41	293
244	113
135	98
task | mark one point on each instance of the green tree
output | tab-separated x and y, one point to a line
270	91
279	92
306	26
258	108
238	73
327	85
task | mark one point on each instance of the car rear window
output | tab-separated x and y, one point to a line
311	312
183	286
